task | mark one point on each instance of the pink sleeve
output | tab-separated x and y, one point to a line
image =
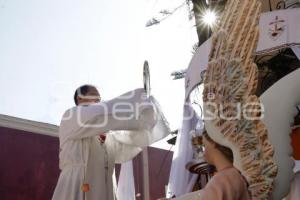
213	190
226	185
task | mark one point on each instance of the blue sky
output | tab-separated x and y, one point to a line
50	47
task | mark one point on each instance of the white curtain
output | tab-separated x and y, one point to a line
126	190
181	181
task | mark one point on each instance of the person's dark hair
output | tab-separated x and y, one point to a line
83	90
224	150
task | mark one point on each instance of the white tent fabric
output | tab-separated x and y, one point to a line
196	67
280	102
181	181
126	189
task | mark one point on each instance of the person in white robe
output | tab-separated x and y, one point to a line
129	123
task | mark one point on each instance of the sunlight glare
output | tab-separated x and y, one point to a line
209	17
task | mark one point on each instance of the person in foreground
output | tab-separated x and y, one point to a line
227	183
95	135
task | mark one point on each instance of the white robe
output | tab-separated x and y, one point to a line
83	159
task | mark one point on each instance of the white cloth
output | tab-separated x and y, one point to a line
278	29
297	166
126	190
181	181
83	159
296	50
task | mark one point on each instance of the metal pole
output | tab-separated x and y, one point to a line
146	175
270	4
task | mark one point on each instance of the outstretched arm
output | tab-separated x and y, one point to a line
132	112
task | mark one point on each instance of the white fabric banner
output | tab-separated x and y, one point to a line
126	190
181	181
278	29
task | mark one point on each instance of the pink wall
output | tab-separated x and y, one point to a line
29	167
159	170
